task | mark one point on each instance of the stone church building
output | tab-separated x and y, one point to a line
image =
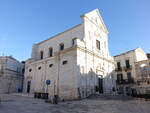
76	61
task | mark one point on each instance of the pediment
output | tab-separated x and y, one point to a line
95	17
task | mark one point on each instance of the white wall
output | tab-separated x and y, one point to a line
11	78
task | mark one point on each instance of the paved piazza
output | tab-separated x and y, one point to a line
95	104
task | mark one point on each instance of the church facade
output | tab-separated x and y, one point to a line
76	61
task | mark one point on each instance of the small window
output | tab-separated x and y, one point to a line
41	54
65	62
98	44
50	52
73	41
39	68
61	46
51	65
30	70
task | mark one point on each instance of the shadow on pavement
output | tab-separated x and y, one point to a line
110	97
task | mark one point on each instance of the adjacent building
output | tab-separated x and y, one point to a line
76	62
126	76
11	75
148	55
143	77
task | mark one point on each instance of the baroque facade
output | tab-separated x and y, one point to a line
126	71
11	75
76	61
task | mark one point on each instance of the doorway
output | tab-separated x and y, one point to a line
28	86
100	84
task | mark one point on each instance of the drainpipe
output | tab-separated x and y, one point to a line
56	96
93	59
86	65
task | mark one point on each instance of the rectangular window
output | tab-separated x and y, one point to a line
129	76
41	54
50	52
119	77
118	65
127	64
98	45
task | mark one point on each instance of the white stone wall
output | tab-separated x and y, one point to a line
10	75
53	42
62	76
99	61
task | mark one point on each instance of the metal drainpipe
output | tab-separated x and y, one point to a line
45	76
93	58
86	65
58	74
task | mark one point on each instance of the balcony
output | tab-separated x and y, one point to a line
124	81
127	68
118	69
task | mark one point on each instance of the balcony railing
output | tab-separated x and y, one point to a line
118	69
125	81
129	67
126	68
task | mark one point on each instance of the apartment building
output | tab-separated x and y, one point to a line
126	76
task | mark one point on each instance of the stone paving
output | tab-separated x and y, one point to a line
94	104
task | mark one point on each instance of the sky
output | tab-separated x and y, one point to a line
26	22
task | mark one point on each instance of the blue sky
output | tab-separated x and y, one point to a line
25	22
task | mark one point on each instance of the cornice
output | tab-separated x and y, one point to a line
57	54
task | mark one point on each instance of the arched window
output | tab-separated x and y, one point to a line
41	54
50	52
73	41
61	46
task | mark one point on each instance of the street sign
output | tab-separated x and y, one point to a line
48	82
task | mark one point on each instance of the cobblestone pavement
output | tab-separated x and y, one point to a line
94	104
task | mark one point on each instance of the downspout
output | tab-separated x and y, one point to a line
58	74
86	66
